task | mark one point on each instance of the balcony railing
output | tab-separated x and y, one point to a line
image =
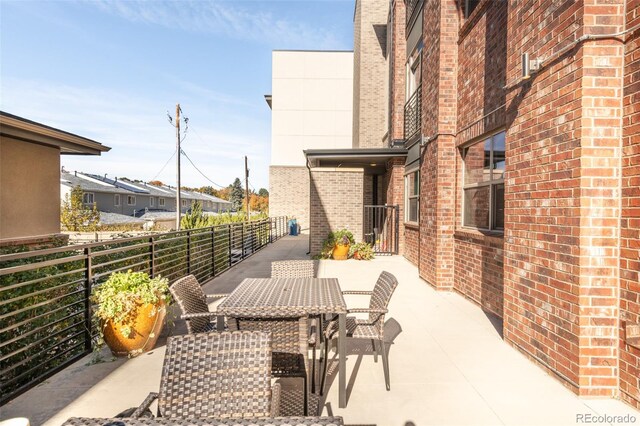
413	114
411	8
45	310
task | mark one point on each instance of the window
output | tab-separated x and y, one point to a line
161	202
116	200
87	197
470	6
152	202
484	164
412	196
184	203
131	200
414	70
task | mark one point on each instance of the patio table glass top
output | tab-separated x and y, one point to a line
284	297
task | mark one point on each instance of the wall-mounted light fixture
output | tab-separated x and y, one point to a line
529	66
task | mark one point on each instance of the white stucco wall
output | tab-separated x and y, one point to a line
312	103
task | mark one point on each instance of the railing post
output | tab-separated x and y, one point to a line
213	251
242	239
152	255
397	245
229	226
87	300
188	252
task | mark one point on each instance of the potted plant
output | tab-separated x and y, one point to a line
131	309
361	251
342	240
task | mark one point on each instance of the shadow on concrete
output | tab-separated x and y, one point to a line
358	347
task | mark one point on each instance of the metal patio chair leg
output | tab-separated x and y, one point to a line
385	363
375	351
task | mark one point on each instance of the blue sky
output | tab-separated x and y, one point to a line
110	71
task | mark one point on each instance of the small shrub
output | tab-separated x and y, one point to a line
361	251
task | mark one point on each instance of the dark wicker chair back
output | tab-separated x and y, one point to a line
216	375
192	300
294	269
384	288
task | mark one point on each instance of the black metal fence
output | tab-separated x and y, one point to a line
381	228
413	114
45	310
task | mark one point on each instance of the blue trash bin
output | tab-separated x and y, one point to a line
293	227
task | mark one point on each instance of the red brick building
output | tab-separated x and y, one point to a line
523	193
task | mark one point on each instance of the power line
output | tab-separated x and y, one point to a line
165	165
199	171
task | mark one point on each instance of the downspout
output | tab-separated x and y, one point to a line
309	168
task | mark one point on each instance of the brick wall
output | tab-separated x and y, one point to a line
397	61
562	193
478	269
336	202
289	193
411	243
630	225
482	41
438	170
370	73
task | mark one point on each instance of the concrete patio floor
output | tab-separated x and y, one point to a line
448	362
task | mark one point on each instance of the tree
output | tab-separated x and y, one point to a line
194	219
263	192
75	216
258	203
237	195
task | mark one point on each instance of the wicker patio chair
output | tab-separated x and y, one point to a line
371	328
293	269
188	293
145	421
288	343
301	269
223	375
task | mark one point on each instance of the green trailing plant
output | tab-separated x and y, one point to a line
123	292
361	251
341	237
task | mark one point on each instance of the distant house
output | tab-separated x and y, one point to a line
134	198
29	172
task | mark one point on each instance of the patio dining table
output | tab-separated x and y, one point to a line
290	297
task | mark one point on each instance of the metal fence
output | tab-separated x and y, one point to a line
381	228
45	310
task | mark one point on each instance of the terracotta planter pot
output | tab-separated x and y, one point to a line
146	324
340	252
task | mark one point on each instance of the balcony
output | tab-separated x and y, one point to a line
448	362
413	114
412	8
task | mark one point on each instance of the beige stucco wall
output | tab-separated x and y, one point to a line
371	74
312	97
29	189
289	193
336	197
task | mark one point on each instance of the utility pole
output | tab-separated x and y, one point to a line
246	186
178	200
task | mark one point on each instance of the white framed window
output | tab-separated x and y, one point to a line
152	202
87	198
483	183
414	71
131	200
161	202
116	200
412	196
184	203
